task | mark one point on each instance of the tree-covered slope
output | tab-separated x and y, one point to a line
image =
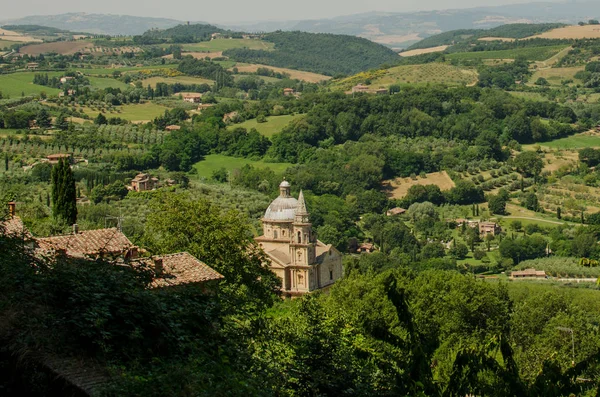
327	54
184	33
512	31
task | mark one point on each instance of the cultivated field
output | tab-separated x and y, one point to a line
9	35
199	55
273	125
504	39
422	51
61	47
556	75
572	32
105	82
428	73
228	44
579	141
99	71
294	74
152	81
529	53
215	162
398	188
14	84
134	113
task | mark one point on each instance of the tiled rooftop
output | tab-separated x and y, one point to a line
180	268
87	243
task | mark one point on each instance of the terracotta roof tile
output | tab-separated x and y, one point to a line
87	243
14	227
180	268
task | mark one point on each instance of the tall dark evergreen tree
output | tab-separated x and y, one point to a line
64	197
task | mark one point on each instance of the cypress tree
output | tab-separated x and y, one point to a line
558	213
64	195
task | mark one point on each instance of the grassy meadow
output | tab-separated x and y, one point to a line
14	84
228	44
574	142
215	162
105	82
152	81
134	112
273	125
529	53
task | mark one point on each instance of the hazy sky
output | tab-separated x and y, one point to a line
234	10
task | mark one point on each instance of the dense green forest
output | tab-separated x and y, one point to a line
514	31
327	54
179	34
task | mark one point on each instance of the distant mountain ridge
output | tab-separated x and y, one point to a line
394	29
110	24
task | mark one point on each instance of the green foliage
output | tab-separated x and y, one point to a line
529	163
223	241
64	195
327	54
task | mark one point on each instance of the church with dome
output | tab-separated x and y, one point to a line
303	263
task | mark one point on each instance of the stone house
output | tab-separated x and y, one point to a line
143	182
486	228
294	253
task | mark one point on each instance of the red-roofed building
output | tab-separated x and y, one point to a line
179	269
104	243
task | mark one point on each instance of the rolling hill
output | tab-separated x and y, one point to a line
326	54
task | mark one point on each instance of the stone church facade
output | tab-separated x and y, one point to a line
303	263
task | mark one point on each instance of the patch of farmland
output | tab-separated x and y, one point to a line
556	75
9	35
59	47
15	84
294	74
228	44
503	39
398	188
422	51
273	125
529	53
134	113
428	73
152	81
214	162
572	32
199	55
578	141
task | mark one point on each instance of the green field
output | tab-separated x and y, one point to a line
179	79
529	53
273	125
109	71
143	112
574	142
214	162
104	82
6	44
14	84
227	44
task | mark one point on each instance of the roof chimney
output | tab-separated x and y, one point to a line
75	228
12	209
158	266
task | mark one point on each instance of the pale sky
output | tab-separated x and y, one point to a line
224	11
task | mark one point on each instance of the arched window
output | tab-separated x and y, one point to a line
283	232
300	237
274	233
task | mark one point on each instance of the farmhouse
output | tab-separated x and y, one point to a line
395	211
54	158
382	91
32	65
173	128
360	88
366	248
303	263
143	182
289	91
192	97
486	228
528	273
66	79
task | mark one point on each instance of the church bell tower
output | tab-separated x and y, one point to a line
303	240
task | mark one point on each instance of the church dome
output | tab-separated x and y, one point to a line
282	209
